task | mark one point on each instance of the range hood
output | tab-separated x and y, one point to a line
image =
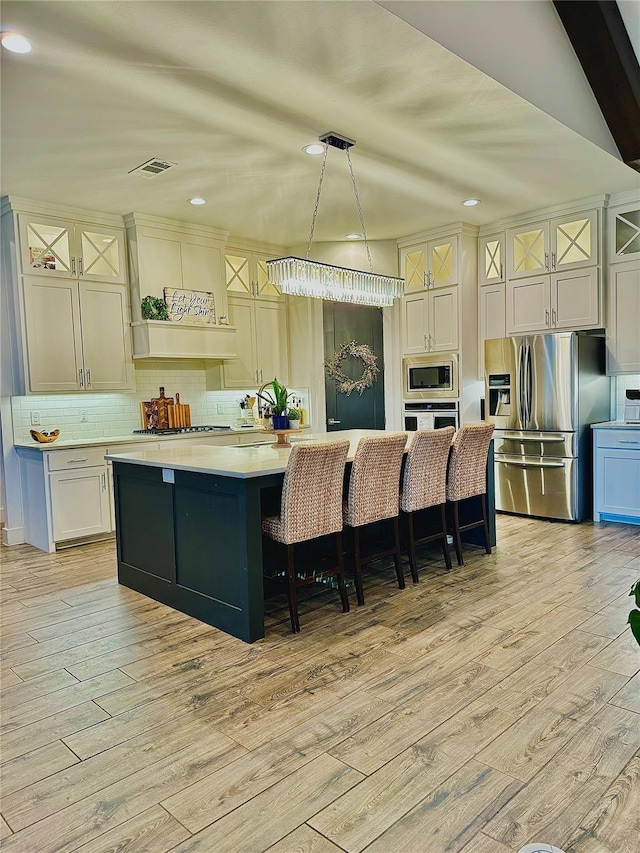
164	339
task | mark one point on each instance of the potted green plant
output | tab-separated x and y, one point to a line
277	402
634	616
294	416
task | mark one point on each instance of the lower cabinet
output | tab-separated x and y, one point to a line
79	503
617	475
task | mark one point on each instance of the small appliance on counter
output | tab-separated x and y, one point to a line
632	406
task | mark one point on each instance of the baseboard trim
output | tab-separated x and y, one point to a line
13	535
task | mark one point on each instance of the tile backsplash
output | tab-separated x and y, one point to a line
119	413
621	383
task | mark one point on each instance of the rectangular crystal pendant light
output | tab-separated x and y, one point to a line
300	277
304	277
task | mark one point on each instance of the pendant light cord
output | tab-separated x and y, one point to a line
315	209
359	206
355	192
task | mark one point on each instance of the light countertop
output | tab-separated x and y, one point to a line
615	425
131	438
241	462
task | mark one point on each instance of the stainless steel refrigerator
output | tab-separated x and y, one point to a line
542	392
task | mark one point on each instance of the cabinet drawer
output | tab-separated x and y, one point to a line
81	457
624	439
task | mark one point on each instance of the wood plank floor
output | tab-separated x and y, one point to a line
472	713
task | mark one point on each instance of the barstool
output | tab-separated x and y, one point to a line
373	496
467	478
424	485
311	506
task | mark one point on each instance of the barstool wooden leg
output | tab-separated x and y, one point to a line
357	567
291	591
445	544
457	541
397	557
412	548
485	522
344	596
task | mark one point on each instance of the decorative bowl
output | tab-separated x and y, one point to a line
44	437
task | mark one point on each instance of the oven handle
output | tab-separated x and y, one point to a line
530	464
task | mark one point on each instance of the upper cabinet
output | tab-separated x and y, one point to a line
623	303
624	233
165	253
61	248
67	326
491	259
431	264
246	275
555	245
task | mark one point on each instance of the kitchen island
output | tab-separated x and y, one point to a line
188	526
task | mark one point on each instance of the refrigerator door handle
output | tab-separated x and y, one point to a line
528	383
520	390
530	464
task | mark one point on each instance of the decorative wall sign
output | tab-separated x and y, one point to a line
361	352
191	306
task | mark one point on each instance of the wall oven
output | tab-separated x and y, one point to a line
431	414
428	376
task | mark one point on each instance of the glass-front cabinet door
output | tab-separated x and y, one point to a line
624	231
442	256
248	275
46	246
64	249
574	241
491	254
101	254
528	250
413	269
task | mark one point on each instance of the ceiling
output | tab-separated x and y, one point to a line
231	91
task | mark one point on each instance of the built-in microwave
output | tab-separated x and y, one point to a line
428	376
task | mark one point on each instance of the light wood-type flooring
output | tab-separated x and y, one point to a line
472	713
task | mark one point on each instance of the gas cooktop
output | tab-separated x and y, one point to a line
176	430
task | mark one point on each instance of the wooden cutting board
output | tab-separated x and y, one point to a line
179	414
163	403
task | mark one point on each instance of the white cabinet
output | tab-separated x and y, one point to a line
623	326
430	321
61	248
491	309
167	253
79	503
569	300
77	336
624	232
617	475
564	243
430	265
491	259
246	273
263	343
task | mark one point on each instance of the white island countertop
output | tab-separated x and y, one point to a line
615	425
241	462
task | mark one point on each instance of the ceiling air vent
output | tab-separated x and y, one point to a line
152	168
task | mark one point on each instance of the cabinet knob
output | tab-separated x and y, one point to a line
88	377
80	267
73	266
546	316
546	260
81	377
553	316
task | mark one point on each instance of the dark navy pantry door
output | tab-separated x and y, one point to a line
363	324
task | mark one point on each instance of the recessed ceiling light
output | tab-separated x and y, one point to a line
471	202
314	148
197	200
353	236
16	43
